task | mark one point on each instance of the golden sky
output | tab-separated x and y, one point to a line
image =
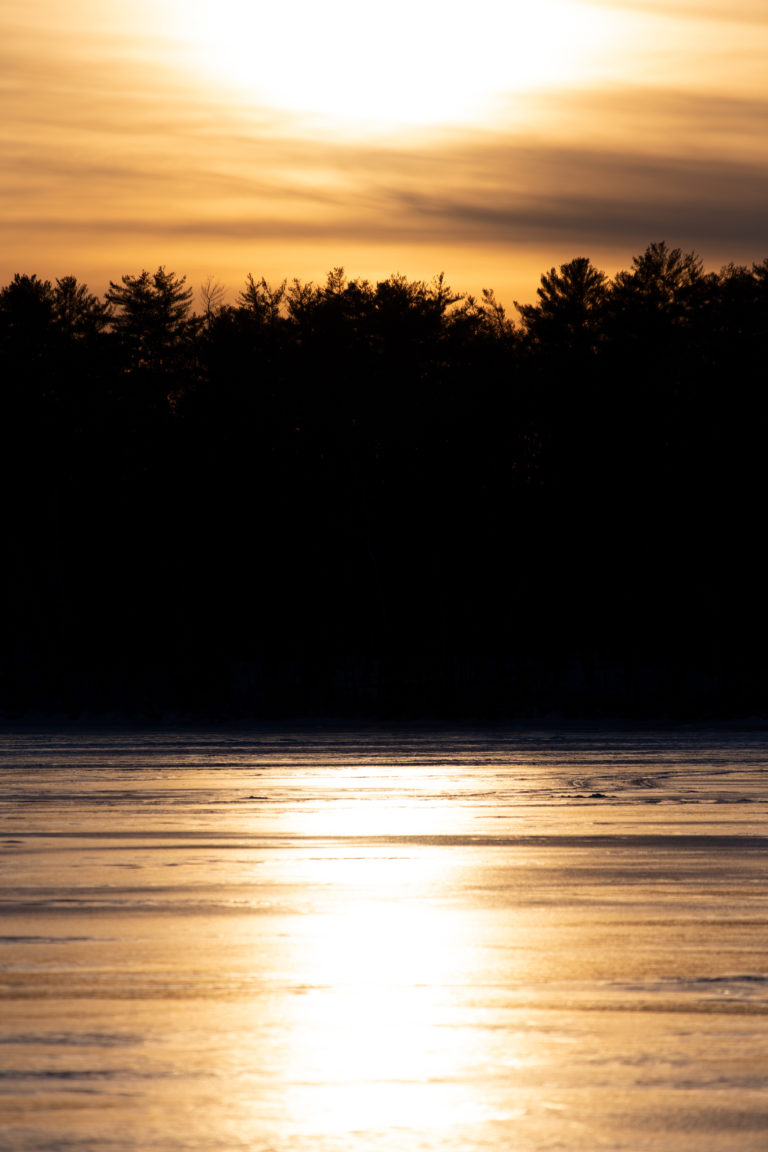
489	141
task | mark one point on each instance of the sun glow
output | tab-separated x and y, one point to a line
412	62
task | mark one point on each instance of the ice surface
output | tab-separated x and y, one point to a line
383	940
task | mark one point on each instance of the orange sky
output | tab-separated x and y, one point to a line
222	137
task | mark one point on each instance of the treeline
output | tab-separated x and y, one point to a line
387	499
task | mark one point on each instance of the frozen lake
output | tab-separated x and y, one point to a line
329	942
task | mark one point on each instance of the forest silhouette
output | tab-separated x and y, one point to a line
387	499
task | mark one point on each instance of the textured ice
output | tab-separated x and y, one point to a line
343	941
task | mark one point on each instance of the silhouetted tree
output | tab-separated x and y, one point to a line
151	317
262	300
79	314
27	312
212	295
569	314
760	272
662	289
30	364
496	321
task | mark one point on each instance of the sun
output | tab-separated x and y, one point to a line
414	62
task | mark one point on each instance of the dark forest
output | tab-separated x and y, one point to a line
387	500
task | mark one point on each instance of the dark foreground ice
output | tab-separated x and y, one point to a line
330	942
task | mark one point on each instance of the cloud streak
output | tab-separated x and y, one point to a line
563	197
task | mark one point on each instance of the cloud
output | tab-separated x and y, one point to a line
736	11
102	149
498	196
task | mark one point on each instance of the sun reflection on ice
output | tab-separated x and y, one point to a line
375	1040
379	1038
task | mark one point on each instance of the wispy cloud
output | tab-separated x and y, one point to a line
736	11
